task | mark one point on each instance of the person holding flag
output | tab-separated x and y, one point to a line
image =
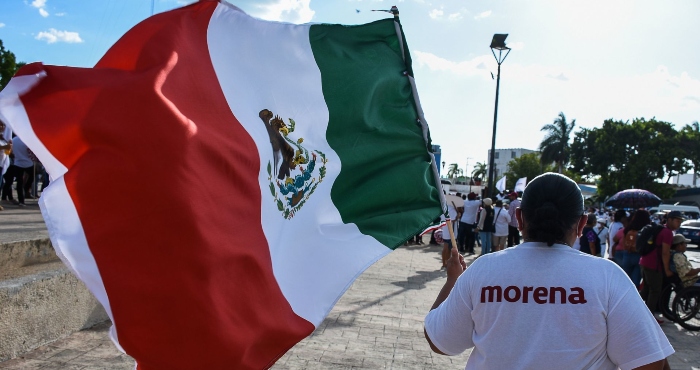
544	289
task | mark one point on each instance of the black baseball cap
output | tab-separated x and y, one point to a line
675	214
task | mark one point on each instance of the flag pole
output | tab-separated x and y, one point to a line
420	120
452	234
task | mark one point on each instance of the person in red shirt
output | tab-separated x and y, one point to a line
657	263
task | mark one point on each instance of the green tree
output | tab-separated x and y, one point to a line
527	165
623	155
690	143
454	171
8	65
479	171
555	146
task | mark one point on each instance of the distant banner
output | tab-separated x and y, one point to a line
501	184
520	185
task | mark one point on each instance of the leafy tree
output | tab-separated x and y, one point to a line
479	171
625	155
527	165
454	171
690	143
555	146
8	65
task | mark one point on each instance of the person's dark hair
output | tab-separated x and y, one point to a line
499	203
640	218
551	207
619	215
592	218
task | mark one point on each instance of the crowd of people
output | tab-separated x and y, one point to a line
552	306
609	234
18	167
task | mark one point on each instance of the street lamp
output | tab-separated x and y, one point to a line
497	43
466	171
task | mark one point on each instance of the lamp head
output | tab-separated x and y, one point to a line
499	41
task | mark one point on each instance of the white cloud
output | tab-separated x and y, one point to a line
519	45
54	35
2	25
455	16
41	5
473	67
60	14
436	13
482	15
294	11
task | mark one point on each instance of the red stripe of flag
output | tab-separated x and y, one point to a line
157	155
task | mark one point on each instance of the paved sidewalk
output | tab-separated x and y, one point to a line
377	324
21	223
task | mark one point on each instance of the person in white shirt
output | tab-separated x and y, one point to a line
501	220
535	306
602	232
22	166
466	238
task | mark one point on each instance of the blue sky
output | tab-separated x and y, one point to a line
592	60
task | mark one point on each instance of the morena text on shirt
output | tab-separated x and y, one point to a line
538	295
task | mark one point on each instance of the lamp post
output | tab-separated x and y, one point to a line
466	169
497	43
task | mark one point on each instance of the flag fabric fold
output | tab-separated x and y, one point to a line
520	184
219	181
501	184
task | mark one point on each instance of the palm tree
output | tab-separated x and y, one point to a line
479	171
555	146
454	171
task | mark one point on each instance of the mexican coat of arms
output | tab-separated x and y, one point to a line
291	173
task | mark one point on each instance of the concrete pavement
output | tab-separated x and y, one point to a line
377	324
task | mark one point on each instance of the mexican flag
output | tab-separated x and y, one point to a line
219	181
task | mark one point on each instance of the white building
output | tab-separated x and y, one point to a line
502	157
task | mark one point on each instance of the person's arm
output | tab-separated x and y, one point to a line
683	267
666	258
593	250
455	267
658	365
482	216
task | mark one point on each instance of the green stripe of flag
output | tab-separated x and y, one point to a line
386	186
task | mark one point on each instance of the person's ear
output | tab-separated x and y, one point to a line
519	217
581	224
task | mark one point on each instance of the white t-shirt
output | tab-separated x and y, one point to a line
21	151
4	158
471	208
501	220
538	307
602	233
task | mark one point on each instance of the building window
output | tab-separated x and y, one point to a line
512	154
495	155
